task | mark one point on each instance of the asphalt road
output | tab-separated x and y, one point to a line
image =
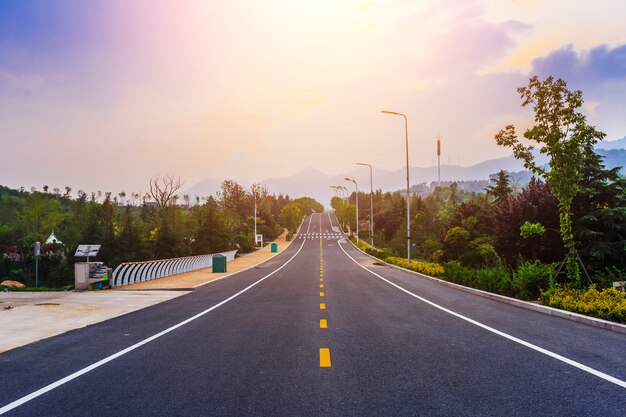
321	330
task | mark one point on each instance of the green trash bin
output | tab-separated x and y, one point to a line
274	247
219	263
287	237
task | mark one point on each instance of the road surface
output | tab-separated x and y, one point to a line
321	330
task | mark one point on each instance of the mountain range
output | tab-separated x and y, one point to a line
313	183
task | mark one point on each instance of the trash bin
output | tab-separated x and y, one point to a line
219	263
287	237
274	247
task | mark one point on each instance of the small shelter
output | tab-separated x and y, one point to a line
52	239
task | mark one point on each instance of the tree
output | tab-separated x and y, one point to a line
308	205
291	216
561	132
163	189
501	189
456	240
600	214
534	204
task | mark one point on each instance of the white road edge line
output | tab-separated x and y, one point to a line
101	362
556	356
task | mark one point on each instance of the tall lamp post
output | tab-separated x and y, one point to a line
356	187
371	205
408	195
345	195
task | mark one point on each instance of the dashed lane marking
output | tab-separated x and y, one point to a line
321	293
122	352
325	358
322	306
323	324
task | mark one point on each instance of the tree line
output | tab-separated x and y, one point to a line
572	213
159	224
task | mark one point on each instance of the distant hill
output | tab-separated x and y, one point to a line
313	183
612	144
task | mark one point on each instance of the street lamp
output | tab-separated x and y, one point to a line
408	195
345	196
357	206
371	205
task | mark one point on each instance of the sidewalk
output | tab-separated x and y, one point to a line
27	317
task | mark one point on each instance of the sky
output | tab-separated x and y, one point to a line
105	94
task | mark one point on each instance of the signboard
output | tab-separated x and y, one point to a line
258	240
87	250
37	249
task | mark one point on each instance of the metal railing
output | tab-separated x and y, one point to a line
132	272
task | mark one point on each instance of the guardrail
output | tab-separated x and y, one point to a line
132	272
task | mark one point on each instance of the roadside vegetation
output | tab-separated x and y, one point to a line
523	243
158	224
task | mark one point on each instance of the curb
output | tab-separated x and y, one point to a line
245	269
551	311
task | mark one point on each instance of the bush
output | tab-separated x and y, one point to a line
608	304
531	278
375	252
427	268
495	279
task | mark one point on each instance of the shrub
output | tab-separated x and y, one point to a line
376	252
495	279
608	304
531	278
427	268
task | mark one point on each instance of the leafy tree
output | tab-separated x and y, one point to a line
561	132
456	241
534	204
38	217
308	204
291	216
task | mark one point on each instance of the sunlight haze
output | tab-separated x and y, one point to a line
103	95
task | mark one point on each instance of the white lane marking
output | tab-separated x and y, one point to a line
556	356
101	362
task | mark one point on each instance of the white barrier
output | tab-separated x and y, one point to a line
132	272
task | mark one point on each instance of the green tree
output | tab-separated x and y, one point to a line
501	190
291	216
600	214
38	217
561	132
456	240
308	205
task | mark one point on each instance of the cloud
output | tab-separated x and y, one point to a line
600	73
600	64
460	40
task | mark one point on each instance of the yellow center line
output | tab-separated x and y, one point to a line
322	306
321	293
323	324
324	358
321	285
321	279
